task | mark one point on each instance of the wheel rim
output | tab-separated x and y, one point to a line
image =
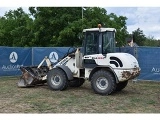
56	80
102	83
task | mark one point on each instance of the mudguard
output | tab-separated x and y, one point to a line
67	71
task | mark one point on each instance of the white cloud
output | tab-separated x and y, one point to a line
145	18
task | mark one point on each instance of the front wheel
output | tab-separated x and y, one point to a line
57	79
103	82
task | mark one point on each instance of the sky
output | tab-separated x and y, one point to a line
140	15
145	18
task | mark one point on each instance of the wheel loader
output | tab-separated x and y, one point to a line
96	61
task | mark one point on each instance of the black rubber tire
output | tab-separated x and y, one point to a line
77	82
121	85
57	79
103	82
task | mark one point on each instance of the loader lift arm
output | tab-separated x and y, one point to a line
35	75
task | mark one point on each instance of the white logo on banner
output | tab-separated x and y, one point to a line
13	57
53	56
155	70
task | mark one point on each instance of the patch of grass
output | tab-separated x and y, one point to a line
139	97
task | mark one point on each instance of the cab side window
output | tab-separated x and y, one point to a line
92	43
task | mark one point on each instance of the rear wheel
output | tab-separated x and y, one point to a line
77	82
57	79
121	85
103	82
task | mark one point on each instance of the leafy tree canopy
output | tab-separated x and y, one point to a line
60	26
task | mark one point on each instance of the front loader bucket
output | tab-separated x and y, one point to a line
23	82
29	77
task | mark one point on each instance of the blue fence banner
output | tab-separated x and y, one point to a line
12	58
149	61
130	50
53	53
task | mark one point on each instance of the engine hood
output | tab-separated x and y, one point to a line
124	60
115	60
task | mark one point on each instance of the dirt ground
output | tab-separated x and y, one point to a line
137	97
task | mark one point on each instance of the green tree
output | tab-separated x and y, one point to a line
16	29
6	26
56	26
51	25
120	24
139	37
151	41
62	26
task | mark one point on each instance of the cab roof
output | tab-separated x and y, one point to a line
97	29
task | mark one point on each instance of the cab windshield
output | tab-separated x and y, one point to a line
99	42
108	42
